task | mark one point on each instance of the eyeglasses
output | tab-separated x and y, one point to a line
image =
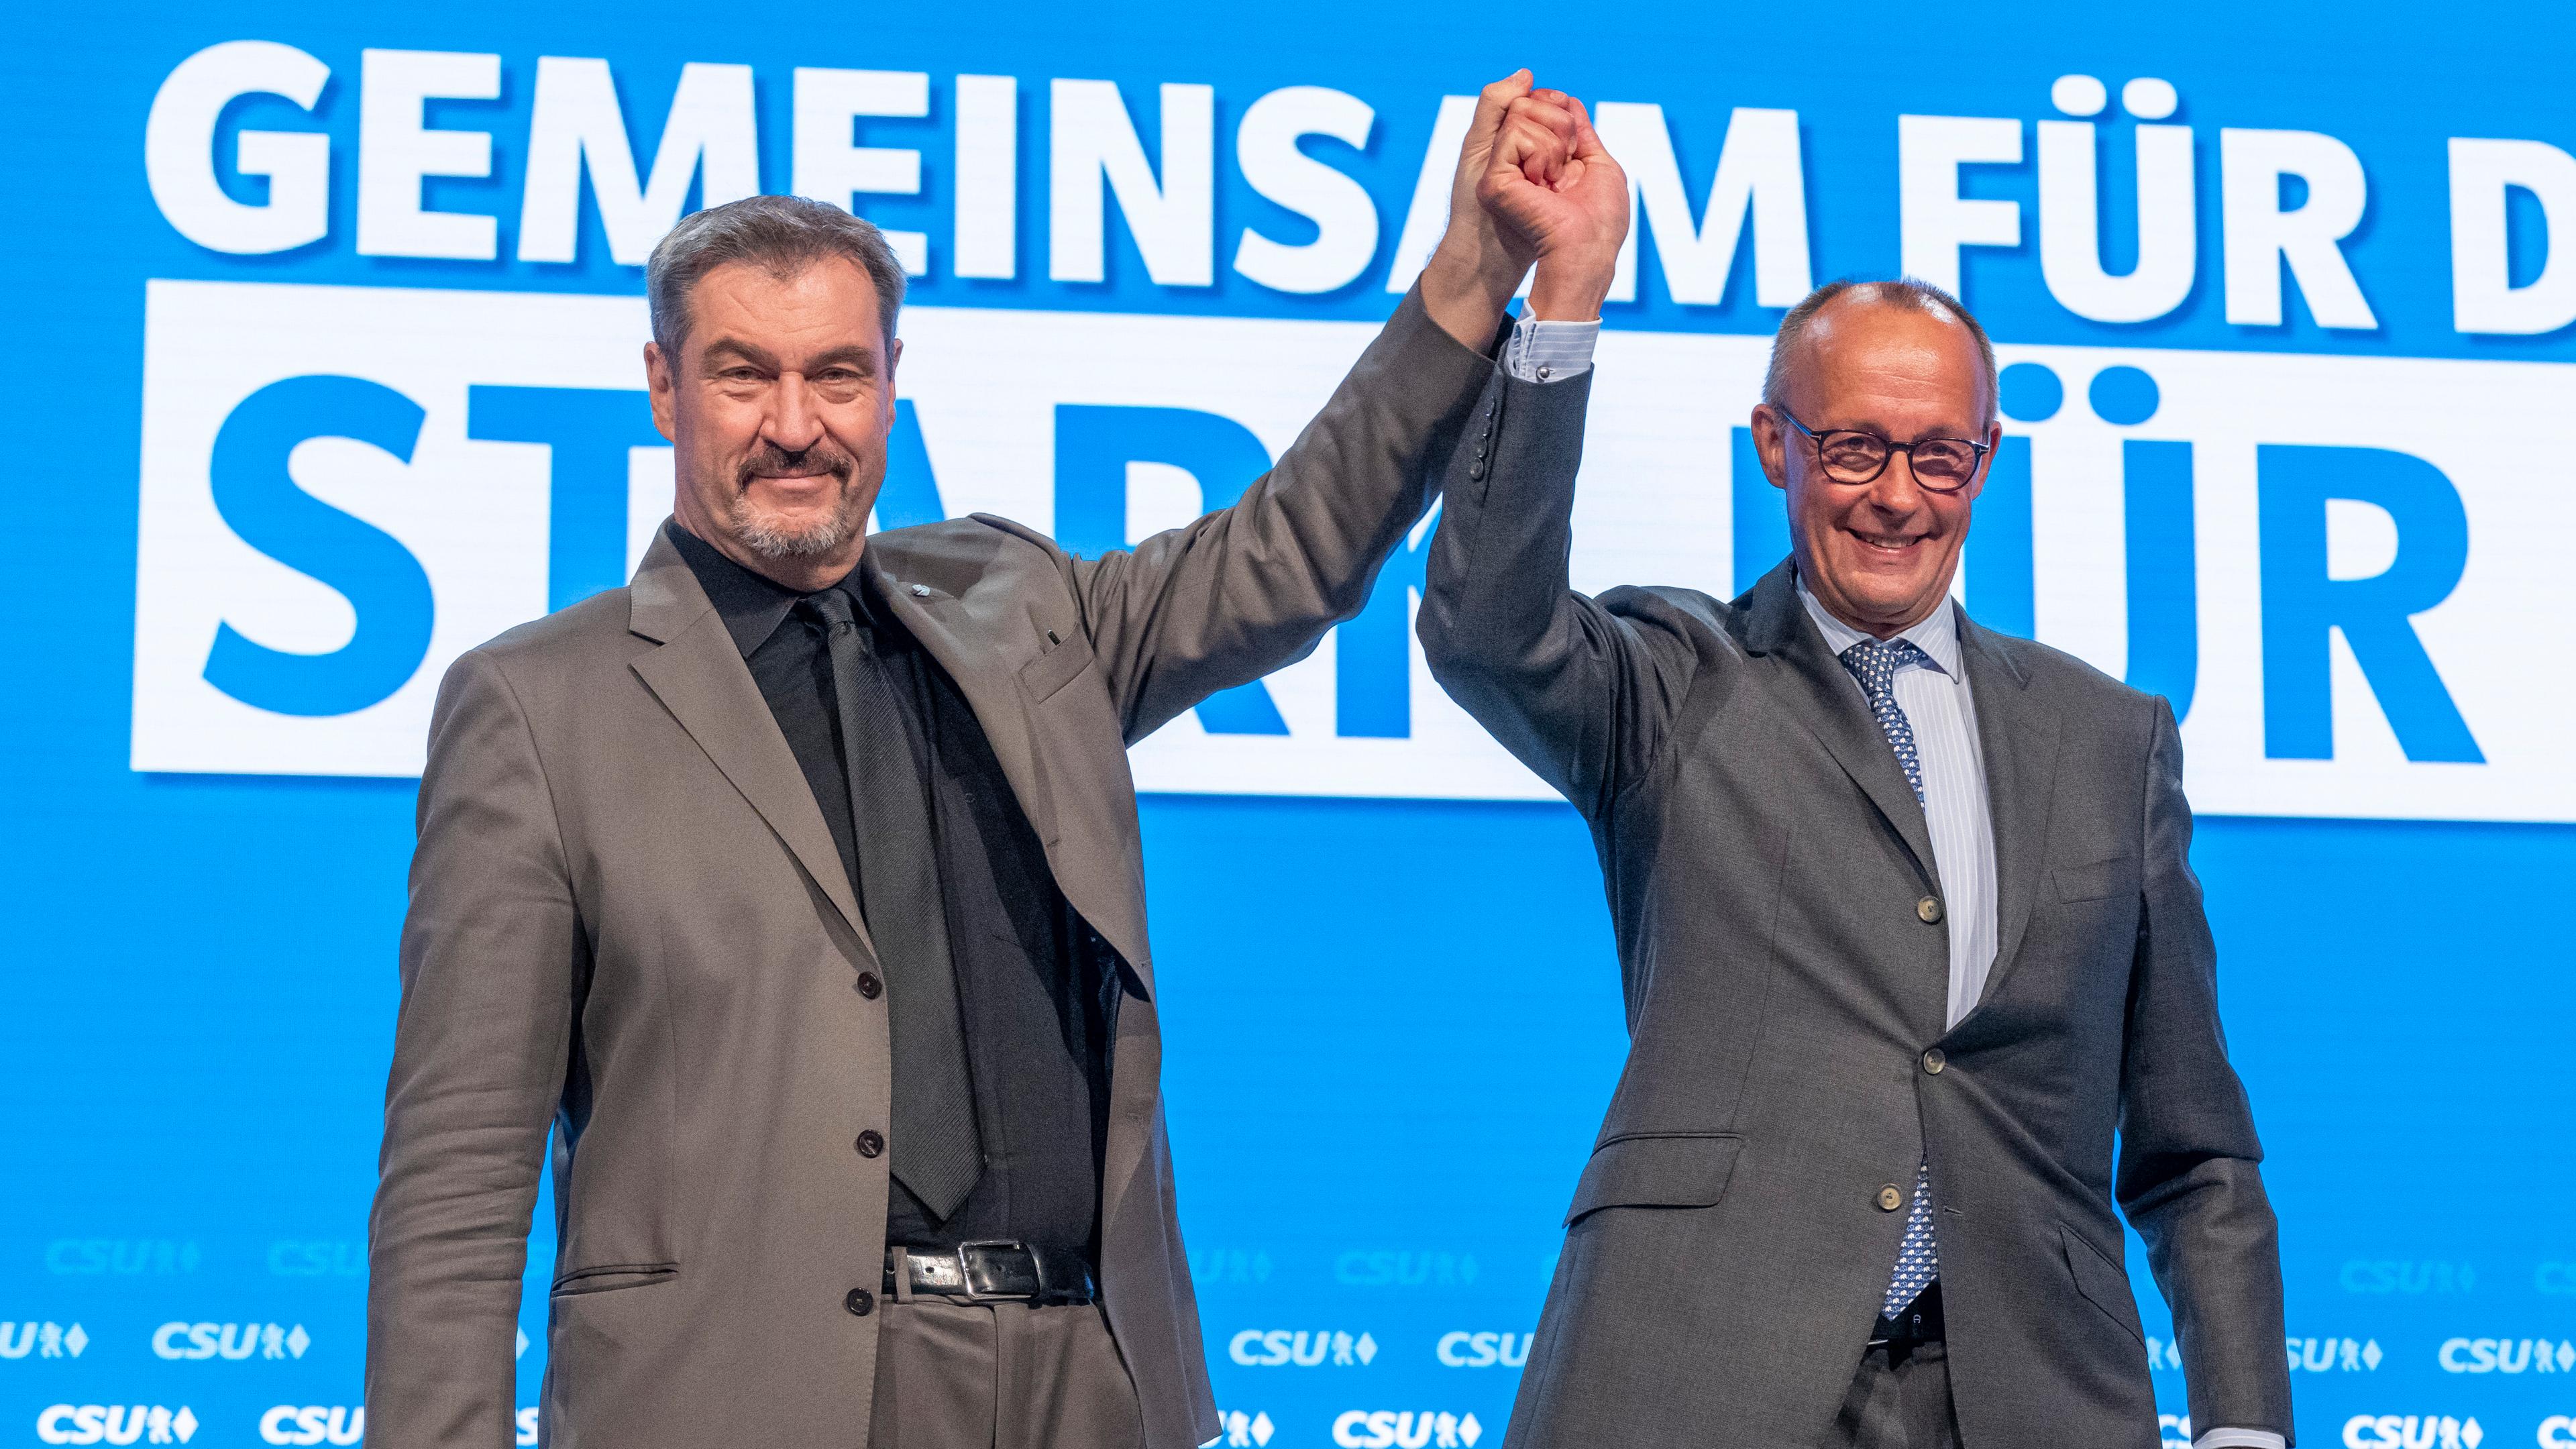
1942	465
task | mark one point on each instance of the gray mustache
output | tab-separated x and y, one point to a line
773	461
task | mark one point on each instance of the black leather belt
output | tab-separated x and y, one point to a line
1919	1322
995	1270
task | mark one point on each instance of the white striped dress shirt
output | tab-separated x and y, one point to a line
1933	692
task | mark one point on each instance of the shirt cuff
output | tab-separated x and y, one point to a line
2240	1439
1543	351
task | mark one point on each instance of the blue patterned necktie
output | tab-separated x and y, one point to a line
1874	664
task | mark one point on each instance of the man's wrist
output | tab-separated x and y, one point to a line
1572	288
1466	289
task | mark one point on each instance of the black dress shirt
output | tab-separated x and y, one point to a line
1030	1000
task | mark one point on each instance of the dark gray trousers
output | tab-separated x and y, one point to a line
1898	1403
1000	1376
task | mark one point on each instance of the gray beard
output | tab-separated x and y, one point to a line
772	538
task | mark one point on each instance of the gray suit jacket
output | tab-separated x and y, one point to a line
628	921
1765	860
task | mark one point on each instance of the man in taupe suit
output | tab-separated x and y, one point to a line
1907	923
797	886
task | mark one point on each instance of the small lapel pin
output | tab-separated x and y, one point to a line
921	591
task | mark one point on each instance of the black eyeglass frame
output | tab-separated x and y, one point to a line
1893	447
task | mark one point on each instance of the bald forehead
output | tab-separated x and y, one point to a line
1875	340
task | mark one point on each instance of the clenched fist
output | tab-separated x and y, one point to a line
1550	185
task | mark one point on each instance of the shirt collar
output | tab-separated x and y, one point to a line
752	604
1936	634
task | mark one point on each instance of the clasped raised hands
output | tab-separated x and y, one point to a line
1533	187
1549	183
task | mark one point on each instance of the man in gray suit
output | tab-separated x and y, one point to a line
797	887
1907	924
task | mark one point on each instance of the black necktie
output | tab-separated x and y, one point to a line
937	1151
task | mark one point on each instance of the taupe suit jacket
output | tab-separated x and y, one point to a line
628	922
1770	877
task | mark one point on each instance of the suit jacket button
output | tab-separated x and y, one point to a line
861	1302
1929	910
869	986
1933	1062
871	1142
1889	1200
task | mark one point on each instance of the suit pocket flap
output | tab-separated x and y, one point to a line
1673	1169
2093	882
608	1277
2101	1280
1056	668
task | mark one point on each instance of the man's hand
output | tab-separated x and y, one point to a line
1481	260
1549	183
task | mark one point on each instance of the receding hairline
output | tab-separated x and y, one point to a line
1792	345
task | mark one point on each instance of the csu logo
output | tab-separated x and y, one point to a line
1403	1268
1273	1348
2558	1431
44	1340
314	1424
2507	1356
1239	1430
2411	1431
2322	1355
2364	1275
115	1424
229	1340
325	1258
1406	1429
125	1257
1461	1349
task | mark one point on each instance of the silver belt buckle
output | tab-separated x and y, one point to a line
966	1273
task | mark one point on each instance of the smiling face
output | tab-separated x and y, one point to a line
778	406
1878	555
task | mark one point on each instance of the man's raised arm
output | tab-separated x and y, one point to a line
1246	589
1565	684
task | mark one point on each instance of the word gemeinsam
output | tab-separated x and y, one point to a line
961	178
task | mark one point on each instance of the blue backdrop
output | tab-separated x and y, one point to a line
1392	1022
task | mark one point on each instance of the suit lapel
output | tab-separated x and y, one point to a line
1835	710
700	677
946	628
2018	732
1102	878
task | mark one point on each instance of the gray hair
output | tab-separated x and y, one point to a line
1905	291
782	235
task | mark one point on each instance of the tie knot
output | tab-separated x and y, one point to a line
831	605
1874	662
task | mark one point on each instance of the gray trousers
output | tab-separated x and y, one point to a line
1000	1376
1898	1403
